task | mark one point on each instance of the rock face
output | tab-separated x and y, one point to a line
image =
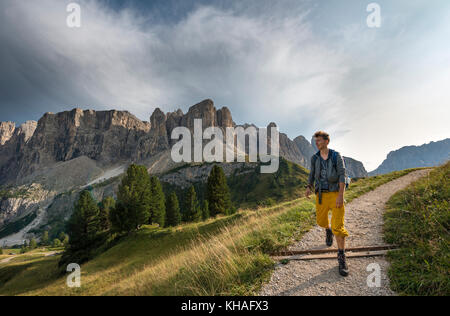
109	138
26	130
292	152
6	131
427	155
23	209
355	168
306	149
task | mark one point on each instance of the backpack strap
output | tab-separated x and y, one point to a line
316	155
334	158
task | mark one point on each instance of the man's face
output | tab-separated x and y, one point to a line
321	143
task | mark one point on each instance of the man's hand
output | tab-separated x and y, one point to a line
308	192
340	201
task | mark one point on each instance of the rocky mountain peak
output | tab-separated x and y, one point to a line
158	122
6	131
224	118
271	125
26	130
204	110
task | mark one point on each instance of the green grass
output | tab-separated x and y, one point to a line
224	256
363	185
418	220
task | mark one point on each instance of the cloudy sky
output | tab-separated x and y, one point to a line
306	65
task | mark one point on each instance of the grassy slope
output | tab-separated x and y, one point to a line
418	220
253	189
224	256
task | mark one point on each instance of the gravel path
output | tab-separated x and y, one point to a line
45	254
364	221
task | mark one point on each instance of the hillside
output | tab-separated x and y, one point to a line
227	255
418	221
427	155
248	186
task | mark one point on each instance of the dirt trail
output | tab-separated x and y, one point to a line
45	254
364	221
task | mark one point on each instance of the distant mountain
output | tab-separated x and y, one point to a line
427	155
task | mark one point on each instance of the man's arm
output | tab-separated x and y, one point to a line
311	177
312	173
341	170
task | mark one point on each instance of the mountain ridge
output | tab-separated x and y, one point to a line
63	153
430	154
113	137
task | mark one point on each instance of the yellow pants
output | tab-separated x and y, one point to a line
337	214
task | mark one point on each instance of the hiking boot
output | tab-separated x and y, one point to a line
343	268
329	239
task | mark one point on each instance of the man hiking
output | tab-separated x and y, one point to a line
327	178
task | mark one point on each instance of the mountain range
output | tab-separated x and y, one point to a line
427	155
44	164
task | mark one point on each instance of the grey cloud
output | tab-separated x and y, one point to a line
253	60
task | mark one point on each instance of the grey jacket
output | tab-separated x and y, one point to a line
335	175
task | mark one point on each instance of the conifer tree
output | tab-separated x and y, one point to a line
57	243
205	210
84	225
61	236
106	206
157	203
132	209
173	215
33	243
192	210
45	238
218	193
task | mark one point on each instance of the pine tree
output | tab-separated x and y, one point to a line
57	243
192	210
205	210
105	208
157	203
83	230
65	241
45	239
84	225
61	236
132	208
173	215
218	193
33	244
